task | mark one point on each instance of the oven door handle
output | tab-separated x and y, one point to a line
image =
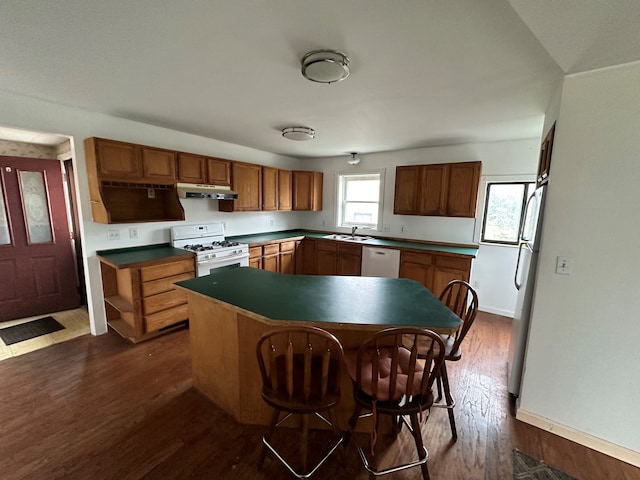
213	261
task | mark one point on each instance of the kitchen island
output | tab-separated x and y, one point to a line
230	309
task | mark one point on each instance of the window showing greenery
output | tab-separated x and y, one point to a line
359	200
504	211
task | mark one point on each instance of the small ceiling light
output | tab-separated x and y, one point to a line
354	160
325	66
298	133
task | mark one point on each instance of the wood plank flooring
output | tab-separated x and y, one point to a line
102	408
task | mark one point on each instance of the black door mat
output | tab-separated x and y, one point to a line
32	329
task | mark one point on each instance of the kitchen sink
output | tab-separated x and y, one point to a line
347	237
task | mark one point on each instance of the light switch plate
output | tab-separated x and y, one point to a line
563	265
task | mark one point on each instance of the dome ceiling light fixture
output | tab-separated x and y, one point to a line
354	160
298	133
325	66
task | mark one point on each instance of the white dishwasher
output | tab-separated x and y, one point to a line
380	262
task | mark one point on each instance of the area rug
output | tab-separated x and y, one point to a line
528	468
32	329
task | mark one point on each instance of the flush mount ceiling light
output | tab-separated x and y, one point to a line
354	160
325	66
298	133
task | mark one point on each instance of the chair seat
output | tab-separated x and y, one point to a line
384	392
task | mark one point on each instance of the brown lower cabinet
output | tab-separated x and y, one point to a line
141	301
434	269
311	256
338	258
275	257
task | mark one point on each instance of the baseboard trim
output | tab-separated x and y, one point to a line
603	446
496	311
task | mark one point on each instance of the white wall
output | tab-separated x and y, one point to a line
32	114
582	364
493	268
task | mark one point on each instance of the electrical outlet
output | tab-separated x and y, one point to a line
476	284
386	229
324	223
563	265
113	234
401	228
151	193
133	232
271	222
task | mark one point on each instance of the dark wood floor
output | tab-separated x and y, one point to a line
102	408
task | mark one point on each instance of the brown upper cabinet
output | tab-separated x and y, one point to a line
446	189
285	183
307	190
269	188
131	183
200	169
544	164
246	180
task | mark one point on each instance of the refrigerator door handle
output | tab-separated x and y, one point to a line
524	224
515	276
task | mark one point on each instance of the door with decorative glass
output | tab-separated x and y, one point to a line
37	265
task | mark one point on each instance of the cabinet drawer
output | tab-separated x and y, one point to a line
165	318
453	262
166	270
255	252
271	249
163	284
163	301
415	257
287	246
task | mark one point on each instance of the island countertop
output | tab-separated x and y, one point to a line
337	300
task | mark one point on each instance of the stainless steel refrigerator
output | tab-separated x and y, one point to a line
525	282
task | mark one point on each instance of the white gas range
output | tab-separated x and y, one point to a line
208	243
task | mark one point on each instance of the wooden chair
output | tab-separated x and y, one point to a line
462	300
300	370
391	379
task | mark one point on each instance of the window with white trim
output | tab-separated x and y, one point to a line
360	200
504	211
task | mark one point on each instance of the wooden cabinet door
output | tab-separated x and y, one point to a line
255	257
326	257
158	166
544	163
271	262
448	268
349	259
405	199
118	160
219	172
432	192
417	266
462	189
269	188
306	257
288	262
192	168
307	191
247	182
284	190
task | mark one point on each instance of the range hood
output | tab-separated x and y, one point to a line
197	190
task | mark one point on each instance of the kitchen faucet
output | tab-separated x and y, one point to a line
353	231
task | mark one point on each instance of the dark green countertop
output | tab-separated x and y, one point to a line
331	299
267	237
127	257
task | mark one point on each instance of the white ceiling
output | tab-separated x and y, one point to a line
423	72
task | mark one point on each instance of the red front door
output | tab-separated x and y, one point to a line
37	265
